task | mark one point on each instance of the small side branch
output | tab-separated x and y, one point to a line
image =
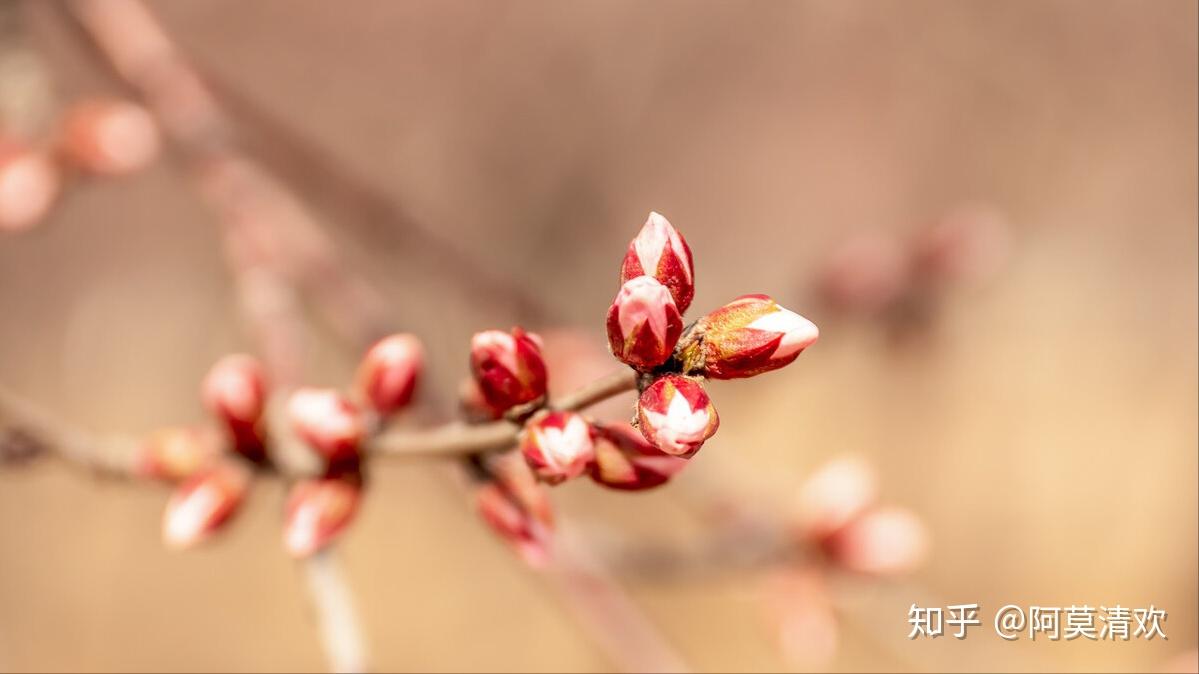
337	619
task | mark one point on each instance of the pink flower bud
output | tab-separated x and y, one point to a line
203	503
866	274
29	183
751	335
517	508
508	367
175	454
558	446
675	414
327	421
969	243
661	252
628	462
317	511
643	323
388	373
110	137
835	494
882	541
234	390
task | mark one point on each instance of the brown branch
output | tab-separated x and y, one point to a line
110	457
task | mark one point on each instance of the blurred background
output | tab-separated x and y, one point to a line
1041	420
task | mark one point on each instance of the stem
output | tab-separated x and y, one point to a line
72	444
341	635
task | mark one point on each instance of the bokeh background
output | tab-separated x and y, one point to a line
1044	424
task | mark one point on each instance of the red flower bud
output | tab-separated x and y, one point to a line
175	454
751	335
234	391
388	373
882	541
643	323
675	414
110	137
661	252
29	183
327	421
508	367
558	446
203	503
317	511
517	508
628	462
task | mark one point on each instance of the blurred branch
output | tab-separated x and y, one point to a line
341	634
29	423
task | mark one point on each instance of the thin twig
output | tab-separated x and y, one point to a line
341	634
114	457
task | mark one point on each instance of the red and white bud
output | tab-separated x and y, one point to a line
234	391
517	508
882	541
317	512
203	503
508	367
675	414
644	323
328	422
835	494
29	184
175	454
558	446
110	137
751	335
388	373
661	252
625	460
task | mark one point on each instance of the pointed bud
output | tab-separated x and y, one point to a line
882	541
234	391
558	446
327	421
835	494
643	324
388	373
627	461
675	414
29	183
749	336
661	252
110	137
508	367
175	454
317	512
203	503
517	508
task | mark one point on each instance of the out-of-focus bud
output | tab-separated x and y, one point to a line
866	274
471	403
175	454
388	373
109	137
508	367
317	511
327	421
627	461
970	243
749	336
203	503
801	604
882	541
517	508
234	391
661	252
644	323
675	414
558	446
837	492
29	183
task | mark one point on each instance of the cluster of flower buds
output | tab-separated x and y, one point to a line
213	466
96	137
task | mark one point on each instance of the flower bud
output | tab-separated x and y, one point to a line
203	503
110	137
628	462
29	183
835	494
749	336
661	252
317	511
327	421
508	367
866	274
882	541
517	508
643	323
675	414
388	373
234	391
175	454
558	446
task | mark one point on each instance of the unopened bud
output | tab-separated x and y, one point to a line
558	446
517	507
749	336
625	460
644	323
661	252
317	512
675	414
835	494
388	373
175	454
29	183
327	421
882	541
203	503
234	391
508	367
110	137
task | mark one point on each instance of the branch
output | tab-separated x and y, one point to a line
341	635
113	457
